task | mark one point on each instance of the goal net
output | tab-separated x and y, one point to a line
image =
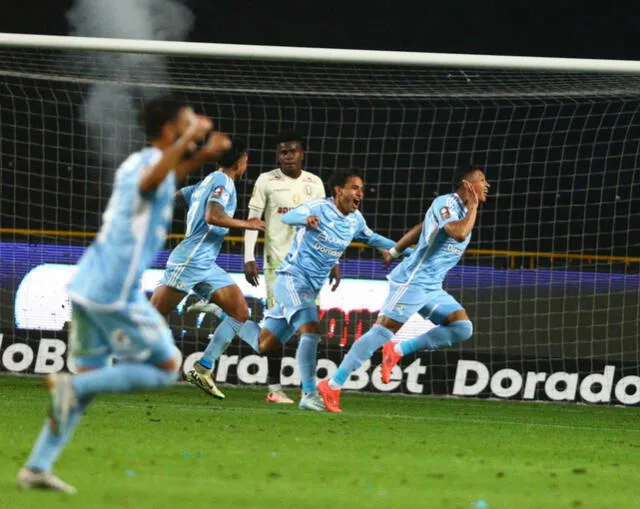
551	277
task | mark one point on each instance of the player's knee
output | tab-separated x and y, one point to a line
462	330
270	345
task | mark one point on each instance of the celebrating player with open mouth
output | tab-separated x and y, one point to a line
416	285
327	227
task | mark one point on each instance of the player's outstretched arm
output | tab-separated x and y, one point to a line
408	239
458	230
301	216
216	145
216	216
155	175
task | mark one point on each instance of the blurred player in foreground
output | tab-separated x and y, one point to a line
192	264
111	316
327	227
416	285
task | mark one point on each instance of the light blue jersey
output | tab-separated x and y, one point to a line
436	253
191	265
134	229
314	252
202	242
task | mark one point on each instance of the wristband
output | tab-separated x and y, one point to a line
394	253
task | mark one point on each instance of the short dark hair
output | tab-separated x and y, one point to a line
157	112
462	172
233	155
290	135
341	176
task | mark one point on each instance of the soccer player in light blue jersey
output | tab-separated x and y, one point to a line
111	316
416	285
192	264
327	227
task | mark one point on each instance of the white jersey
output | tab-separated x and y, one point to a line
274	194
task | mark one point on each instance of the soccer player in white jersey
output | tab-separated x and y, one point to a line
274	194
192	264
326	228
415	286
111	316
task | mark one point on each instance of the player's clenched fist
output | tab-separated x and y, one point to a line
217	144
313	222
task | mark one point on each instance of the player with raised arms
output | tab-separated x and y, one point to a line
415	285
326	228
192	264
111	315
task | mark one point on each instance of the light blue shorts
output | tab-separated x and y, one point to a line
405	300
203	282
136	332
295	306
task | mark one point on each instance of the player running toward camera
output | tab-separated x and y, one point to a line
192	264
416	285
274	194
111	316
328	226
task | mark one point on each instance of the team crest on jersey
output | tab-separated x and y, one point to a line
217	192
307	190
445	213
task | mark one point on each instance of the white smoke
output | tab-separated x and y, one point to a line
110	111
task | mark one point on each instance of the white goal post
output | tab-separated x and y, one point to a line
323	55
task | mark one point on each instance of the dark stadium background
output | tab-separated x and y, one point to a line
574	191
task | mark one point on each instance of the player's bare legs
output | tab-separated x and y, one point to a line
165	299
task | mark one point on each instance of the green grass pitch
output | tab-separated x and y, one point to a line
179	447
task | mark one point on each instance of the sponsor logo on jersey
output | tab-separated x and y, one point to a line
332	239
296	199
336	253
284	210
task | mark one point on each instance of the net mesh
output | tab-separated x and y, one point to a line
551	277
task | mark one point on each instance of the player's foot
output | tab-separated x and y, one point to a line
311	401
204	381
330	397
28	479
63	400
279	397
389	359
206	307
